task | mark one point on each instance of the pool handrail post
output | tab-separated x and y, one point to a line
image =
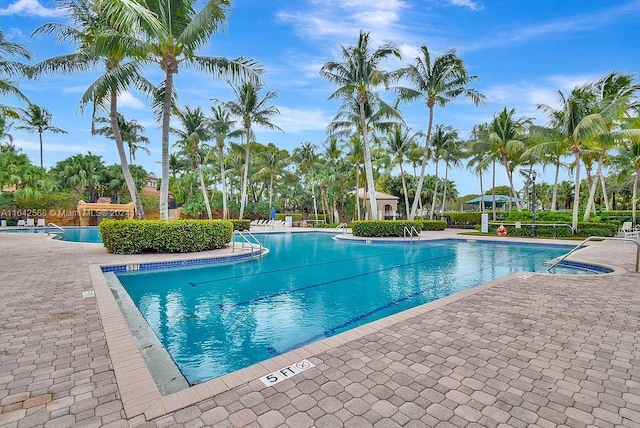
602	238
54	225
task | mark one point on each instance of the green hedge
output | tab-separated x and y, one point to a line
432	224
241	224
584	229
383	228
464	218
175	236
597	229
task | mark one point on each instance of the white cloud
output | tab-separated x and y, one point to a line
126	99
467	3
30	8
57	147
295	121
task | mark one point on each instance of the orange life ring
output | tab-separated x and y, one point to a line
502	231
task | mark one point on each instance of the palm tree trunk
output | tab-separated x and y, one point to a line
435	190
444	191
493	191
482	207
554	198
245	177
166	123
604	192
313	198
368	168
41	156
204	192
592	189
423	167
634	200
128	178
357	193
404	189
576	191
271	190
224	187
505	162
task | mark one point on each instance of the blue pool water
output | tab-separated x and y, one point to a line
73	234
218	319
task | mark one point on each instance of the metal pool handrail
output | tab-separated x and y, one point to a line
410	231
242	235
54	225
342	226
602	238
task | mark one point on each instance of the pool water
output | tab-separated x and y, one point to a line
72	234
218	319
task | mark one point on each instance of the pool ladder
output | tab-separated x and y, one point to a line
54	225
245	241
411	231
343	227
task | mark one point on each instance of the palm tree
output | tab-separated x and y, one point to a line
627	163
251	110
9	68
129	130
399	141
443	138
480	157
194	131
91	22
307	159
38	119
80	172
357	76
172	31
507	136
222	129
272	162
452	156
437	83
355	157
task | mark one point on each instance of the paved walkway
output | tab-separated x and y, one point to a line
526	350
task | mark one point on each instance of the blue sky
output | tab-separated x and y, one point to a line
522	52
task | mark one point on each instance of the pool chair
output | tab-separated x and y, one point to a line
40	222
30	222
21	223
629	231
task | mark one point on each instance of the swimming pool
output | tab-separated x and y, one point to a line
72	234
218	319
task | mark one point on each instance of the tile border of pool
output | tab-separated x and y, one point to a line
140	396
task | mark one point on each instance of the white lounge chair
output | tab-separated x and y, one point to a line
30	222
40	222
629	231
21	223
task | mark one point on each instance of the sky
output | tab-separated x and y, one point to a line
522	53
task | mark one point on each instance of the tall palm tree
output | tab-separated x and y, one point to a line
251	109
222	128
10	68
307	159
194	131
452	157
399	141
627	163
480	157
437	82
130	130
172	31
355	157
38	119
91	22
507	136
357	76
443	138
272	162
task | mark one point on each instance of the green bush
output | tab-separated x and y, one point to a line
326	225
617	217
597	229
295	217
240	224
175	236
383	228
463	218
432	224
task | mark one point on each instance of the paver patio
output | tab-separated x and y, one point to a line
526	350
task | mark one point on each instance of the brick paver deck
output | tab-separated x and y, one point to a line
526	350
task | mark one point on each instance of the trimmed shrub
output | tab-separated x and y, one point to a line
175	236
240	224
463	219
432	224
597	229
383	228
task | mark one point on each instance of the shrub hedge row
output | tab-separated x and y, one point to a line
464	219
241	224
383	228
432	224
584	229
175	236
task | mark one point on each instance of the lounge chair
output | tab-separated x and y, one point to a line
30	222
21	223
40	223
629	231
